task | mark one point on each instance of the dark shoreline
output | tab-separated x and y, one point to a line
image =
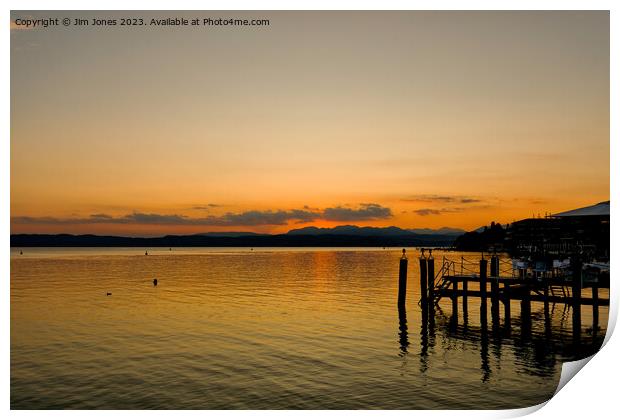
66	240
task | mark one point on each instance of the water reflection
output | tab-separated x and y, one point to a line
485	366
270	329
403	335
424	340
538	347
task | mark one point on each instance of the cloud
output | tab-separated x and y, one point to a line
365	211
257	218
434	212
432	198
206	206
133	218
101	216
426	212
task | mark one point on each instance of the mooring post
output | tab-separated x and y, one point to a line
402	281
483	290
507	302
423	280
493	266
431	278
576	286
495	289
526	303
507	314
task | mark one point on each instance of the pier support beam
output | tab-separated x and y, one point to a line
465	301
526	304
455	303
423	281
494	266
507	314
483	292
402	281
431	279
494	291
495	309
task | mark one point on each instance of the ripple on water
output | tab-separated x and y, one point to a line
277	329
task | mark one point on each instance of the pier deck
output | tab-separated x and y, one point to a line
526	285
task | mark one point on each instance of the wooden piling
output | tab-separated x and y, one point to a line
402	281
507	303
431	279
505	289
494	266
483	290
495	290
494	297
455	305
423	280
465	300
526	305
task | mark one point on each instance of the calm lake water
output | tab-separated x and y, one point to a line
264	329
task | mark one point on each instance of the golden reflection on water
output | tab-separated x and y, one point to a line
268	328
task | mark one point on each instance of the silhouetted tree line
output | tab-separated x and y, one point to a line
489	237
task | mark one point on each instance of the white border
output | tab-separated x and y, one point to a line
592	394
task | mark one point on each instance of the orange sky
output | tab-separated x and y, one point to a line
413	119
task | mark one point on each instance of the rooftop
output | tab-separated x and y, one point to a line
600	209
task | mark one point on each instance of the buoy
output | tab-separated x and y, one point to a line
154	282
146	253
108	294
21	252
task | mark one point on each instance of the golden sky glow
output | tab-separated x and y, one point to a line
413	119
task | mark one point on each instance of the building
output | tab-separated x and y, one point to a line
584	230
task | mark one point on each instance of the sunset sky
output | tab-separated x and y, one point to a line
412	119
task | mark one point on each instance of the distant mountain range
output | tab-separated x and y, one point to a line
228	234
347	235
374	231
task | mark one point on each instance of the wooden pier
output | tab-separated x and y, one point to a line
502	286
